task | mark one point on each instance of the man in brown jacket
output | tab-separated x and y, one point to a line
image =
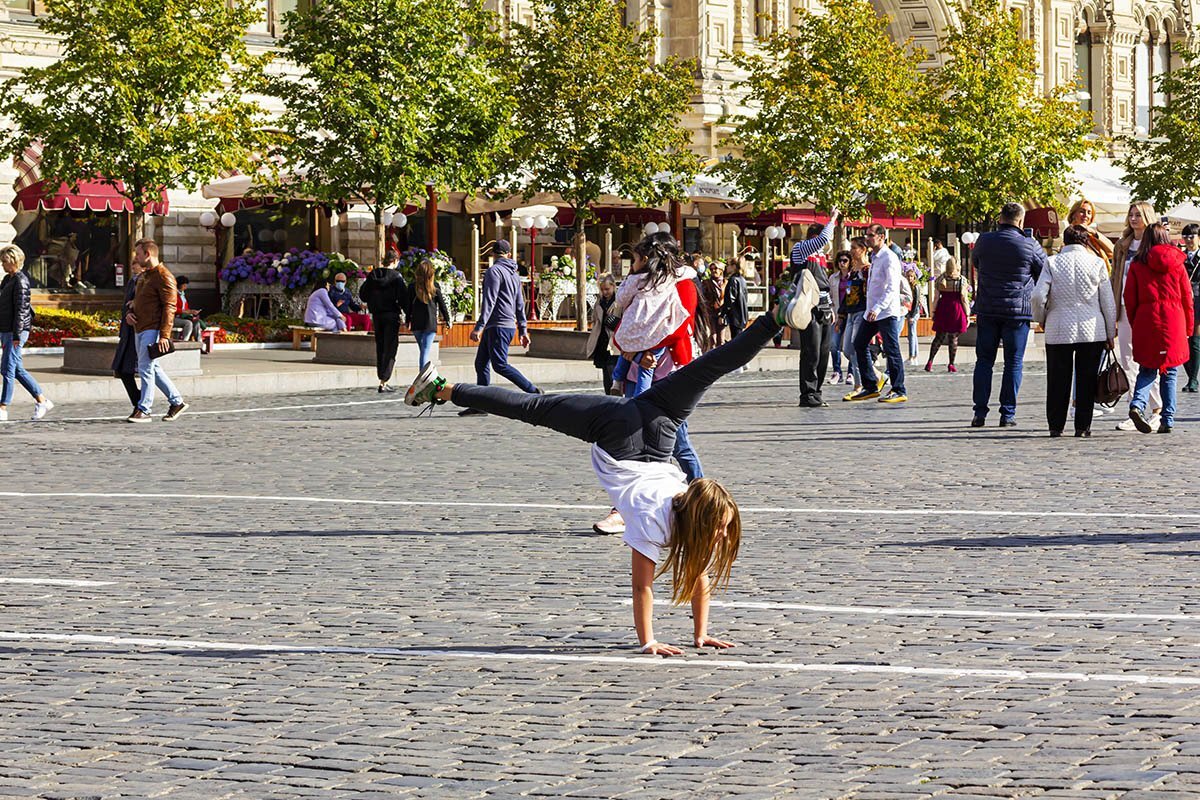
152	315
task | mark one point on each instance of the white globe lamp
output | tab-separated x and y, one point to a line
208	219
228	219
386	219
281	236
650	228
526	222
664	227
540	222
400	220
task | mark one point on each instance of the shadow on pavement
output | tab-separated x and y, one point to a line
1059	540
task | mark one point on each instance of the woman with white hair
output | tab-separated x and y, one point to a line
16	321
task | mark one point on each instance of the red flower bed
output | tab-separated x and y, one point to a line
47	338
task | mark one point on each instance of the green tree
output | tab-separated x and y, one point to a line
1000	138
1166	169
392	96
602	117
148	95
837	114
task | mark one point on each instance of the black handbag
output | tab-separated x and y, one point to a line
156	353
1112	381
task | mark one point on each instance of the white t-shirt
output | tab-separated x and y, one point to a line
642	491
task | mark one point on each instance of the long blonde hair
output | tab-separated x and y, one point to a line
1149	216
700	540
423	280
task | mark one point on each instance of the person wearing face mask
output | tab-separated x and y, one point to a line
1141	215
321	313
343	301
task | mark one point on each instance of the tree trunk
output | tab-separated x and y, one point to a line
135	229
380	237
581	315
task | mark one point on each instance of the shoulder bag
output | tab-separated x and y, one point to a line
1112	381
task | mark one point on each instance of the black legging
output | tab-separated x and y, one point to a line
951	342
387	342
628	429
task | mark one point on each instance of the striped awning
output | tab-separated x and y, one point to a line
33	194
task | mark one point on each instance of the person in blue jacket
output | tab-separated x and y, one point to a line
501	316
1007	265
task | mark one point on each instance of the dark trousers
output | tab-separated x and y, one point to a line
387	342
493	354
641	428
129	381
815	343
1083	359
889	330
610	363
990	334
1193	363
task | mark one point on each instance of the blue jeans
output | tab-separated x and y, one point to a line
889	329
684	453
13	369
1166	384
990	334
849	333
424	345
493	353
152	374
645	377
910	328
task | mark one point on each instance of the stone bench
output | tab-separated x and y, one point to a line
558	343
95	356
357	348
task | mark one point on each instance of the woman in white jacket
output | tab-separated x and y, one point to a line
1080	322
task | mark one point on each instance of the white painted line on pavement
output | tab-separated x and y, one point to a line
965	613
792	510
56	582
568	658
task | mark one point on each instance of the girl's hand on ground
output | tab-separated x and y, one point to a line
664	650
708	641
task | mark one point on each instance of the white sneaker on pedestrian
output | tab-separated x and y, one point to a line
1099	410
1126	425
3	415
42	409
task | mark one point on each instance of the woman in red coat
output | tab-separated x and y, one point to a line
1158	305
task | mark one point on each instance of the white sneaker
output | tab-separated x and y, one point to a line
3	415
1126	425
1099	410
42	409
1154	420
613	523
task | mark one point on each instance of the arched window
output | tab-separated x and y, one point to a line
1143	72
1083	65
1162	64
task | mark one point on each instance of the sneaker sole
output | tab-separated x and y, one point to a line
856	398
419	384
893	400
1141	423
176	415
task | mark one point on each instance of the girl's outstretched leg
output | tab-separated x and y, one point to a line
678	394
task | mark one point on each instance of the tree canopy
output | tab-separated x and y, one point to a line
601	116
999	137
148	95
392	96
1166	168
839	115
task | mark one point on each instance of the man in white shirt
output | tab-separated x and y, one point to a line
884	316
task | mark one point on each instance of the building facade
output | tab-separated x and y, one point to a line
1112	48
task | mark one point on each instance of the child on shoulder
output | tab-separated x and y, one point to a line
650	311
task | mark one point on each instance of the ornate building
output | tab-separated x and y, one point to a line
1113	48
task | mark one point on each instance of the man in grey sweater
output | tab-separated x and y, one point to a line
501	316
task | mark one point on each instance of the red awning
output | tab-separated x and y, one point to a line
876	212
87	196
612	215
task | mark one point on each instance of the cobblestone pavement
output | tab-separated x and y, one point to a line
918	612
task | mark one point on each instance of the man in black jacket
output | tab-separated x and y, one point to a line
383	291
1007	265
1191	246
